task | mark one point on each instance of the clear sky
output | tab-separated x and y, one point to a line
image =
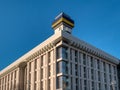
26	23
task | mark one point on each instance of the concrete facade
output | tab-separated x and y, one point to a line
62	62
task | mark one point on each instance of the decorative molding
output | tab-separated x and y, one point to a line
32	56
94	51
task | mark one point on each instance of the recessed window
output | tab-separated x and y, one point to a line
49	57
62	67
76	56
92	62
41	60
84	59
98	64
62	52
62	82
76	69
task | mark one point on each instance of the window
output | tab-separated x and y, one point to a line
114	68
59	82
98	64
76	69
85	85
105	77
49	70
71	84
92	74
70	54
41	85
92	63
104	66
71	68
49	84
110	76
84	72
62	82
76	56
84	59
99	85
41	60
109	68
99	76
41	73
105	86
62	52
62	67
79	57
49	57
35	63
76	81
35	75
29	66
80	71
92	86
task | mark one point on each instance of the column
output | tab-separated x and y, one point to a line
54	69
40	72
32	75
17	78
47	73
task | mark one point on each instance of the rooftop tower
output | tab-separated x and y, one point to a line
63	22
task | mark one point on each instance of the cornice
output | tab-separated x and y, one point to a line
73	41
40	49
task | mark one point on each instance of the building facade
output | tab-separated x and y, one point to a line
62	62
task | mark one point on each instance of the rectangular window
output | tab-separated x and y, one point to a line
71	84
84	72
85	85
41	73
104	66
41	60
92	86
105	77
76	69
84	59
71	68
106	87
35	75
49	57
99	85
91	60
76	80
109	68
92	74
49	84
49	70
79	57
62	67
99	76
76	56
41	85
35	87
62	52
70	54
114	68
79	71
59	82
35	63
98	64
29	66
62	82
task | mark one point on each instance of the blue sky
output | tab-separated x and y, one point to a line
26	23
